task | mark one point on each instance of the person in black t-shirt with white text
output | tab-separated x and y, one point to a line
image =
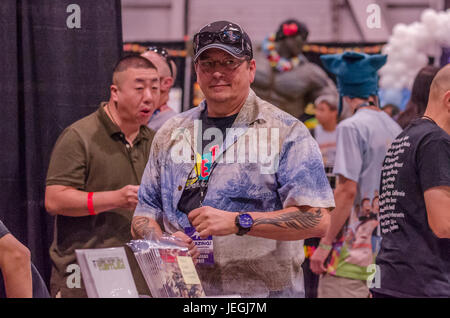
414	260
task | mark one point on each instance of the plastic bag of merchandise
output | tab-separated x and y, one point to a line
167	267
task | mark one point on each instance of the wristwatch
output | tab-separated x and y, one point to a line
244	223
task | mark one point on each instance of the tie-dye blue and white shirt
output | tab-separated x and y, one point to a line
268	161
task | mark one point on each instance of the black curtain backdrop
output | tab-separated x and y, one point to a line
50	76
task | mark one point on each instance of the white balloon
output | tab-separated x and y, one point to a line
397	43
387	81
398	85
408	54
421	60
443	33
399	68
422	37
429	19
411	73
409	46
442	17
400	30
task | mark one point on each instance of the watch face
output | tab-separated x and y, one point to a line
245	220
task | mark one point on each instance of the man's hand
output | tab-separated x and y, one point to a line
128	197
193	251
210	221
317	260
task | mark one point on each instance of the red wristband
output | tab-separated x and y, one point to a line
90	204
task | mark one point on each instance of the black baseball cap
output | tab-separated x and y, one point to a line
223	35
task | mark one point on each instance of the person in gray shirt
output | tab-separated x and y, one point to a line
362	142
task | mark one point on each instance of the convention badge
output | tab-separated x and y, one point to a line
204	246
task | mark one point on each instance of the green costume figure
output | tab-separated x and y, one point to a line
284	76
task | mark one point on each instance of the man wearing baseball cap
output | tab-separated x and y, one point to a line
362	142
211	183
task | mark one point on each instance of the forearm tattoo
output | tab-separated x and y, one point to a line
141	226
297	220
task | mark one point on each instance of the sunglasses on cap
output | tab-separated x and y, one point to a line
232	37
163	53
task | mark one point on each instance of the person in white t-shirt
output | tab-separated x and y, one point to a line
349	248
325	132
326	112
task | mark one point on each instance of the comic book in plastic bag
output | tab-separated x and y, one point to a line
167	267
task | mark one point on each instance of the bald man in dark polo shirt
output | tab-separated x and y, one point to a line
95	171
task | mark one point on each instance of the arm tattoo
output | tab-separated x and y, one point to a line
297	220
141	226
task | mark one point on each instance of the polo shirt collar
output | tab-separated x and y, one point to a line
111	128
114	130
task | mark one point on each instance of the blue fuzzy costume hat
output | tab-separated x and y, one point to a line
356	73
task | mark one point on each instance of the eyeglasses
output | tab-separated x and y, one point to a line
208	66
163	53
227	37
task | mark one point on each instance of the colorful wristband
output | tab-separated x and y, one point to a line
90	204
325	247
